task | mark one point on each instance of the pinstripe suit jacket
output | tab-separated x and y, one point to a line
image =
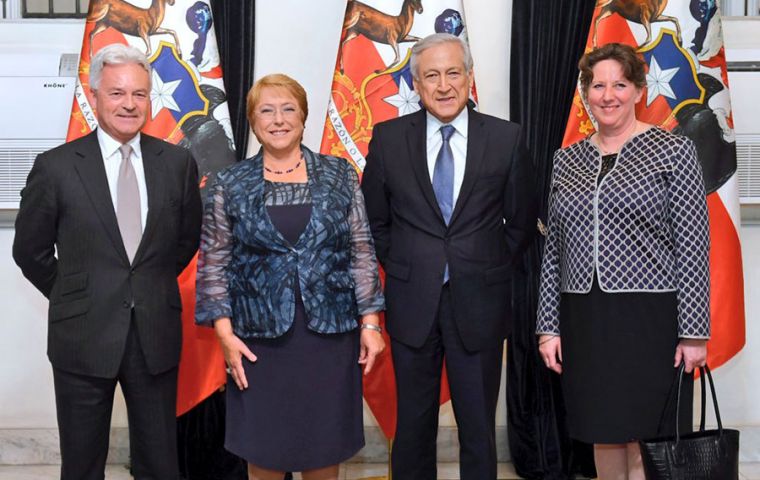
492	222
68	245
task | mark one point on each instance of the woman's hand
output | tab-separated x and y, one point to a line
550	349
371	341
234	350
693	353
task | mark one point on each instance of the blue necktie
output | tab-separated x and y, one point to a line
443	175
443	181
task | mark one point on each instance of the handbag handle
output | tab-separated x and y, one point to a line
703	371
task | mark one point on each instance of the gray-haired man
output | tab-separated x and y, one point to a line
450	203
106	224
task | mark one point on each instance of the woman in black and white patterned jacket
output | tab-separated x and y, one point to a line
624	294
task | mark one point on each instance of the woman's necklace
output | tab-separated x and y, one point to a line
283	172
610	151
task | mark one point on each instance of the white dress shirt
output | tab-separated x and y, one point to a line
458	142
109	149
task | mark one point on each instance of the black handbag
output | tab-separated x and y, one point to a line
702	455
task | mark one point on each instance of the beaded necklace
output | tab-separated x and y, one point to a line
283	172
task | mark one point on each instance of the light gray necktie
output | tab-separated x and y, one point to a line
128	204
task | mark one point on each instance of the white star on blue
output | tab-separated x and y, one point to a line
406	100
161	95
658	81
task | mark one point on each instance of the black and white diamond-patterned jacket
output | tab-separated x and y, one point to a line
645	228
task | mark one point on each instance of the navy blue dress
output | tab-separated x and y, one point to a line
303	406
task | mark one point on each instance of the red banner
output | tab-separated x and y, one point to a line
188	107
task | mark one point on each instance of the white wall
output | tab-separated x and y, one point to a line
26	394
737	381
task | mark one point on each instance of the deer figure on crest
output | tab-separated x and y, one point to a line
131	20
643	12
361	19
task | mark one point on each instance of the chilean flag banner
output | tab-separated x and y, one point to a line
681	42
372	83
189	108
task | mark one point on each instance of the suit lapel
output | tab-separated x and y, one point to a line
154	184
417	141
89	165
476	147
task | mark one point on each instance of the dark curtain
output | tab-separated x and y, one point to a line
548	38
200	441
235	26
200	432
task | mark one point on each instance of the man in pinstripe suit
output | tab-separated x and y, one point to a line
106	224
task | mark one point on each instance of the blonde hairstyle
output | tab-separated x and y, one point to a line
276	80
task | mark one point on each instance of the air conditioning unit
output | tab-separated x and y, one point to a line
38	67
38	90
745	99
742	36
743	79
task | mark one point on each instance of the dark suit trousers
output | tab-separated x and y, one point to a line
474	382
84	406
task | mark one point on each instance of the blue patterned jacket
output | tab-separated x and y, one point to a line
643	229
260	267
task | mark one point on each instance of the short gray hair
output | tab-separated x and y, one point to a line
115	54
439	39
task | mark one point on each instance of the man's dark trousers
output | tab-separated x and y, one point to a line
474	386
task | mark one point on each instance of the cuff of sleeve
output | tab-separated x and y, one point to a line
206	316
554	333
373	305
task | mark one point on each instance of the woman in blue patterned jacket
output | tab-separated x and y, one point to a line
624	294
287	277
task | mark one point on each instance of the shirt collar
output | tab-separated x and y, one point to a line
110	146
459	123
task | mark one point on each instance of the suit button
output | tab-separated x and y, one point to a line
131	271
125	304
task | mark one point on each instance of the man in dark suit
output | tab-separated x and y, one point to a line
106	224
449	193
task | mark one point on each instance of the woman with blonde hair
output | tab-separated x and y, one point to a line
288	279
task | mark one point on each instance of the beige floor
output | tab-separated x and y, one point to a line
446	471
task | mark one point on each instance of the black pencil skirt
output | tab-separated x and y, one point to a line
617	373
